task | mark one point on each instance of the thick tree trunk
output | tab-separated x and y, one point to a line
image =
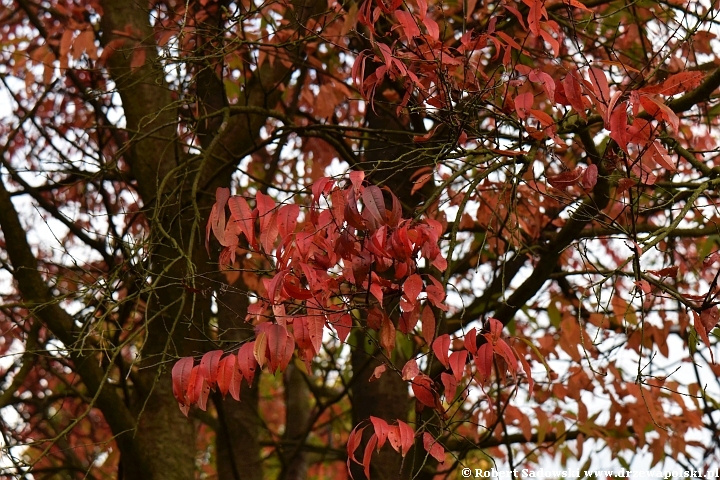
297	416
386	398
239	426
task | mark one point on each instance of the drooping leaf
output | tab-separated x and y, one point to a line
441	347
428	324
181	378
433	447
423	390
209	365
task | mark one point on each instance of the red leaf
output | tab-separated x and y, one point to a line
287	219
412	288
217	217
538	76
226	371
665	272
353	443
367	457
343	326
483	359
523	103
373	199
276	343
244	217
589	178
678	83
428	324
408	23
660	155
700	322
470	341
181	378
450	384
356	178
457	363
407	437
381	430
209	366
316	325
423	389
269	232
573	92
600	86
246	361
618	125
195	386
433	447
566	179
387	335
528	371
440	346
322	186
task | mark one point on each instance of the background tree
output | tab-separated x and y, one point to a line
523	259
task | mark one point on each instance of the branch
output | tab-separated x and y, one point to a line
46	309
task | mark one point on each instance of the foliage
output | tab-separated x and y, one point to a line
381	239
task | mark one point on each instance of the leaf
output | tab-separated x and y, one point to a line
276	341
573	92
600	86
470	341
660	155
246	361
243	215
407	437
440	347
367	457
566	179
677	83
412	288
428	324
343	326
316	326
538	76
410	370
407	21
433	447
217	217
523	103
181	378
353	442
209	365
377	373
450	384
387	335
356	178
373	200
457	363
423	390
381	430
589	178
483	359
287	217
226	371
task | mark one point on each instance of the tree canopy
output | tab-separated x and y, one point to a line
381	238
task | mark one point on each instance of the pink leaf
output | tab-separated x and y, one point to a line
410	370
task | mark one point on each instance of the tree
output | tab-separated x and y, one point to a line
409	237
